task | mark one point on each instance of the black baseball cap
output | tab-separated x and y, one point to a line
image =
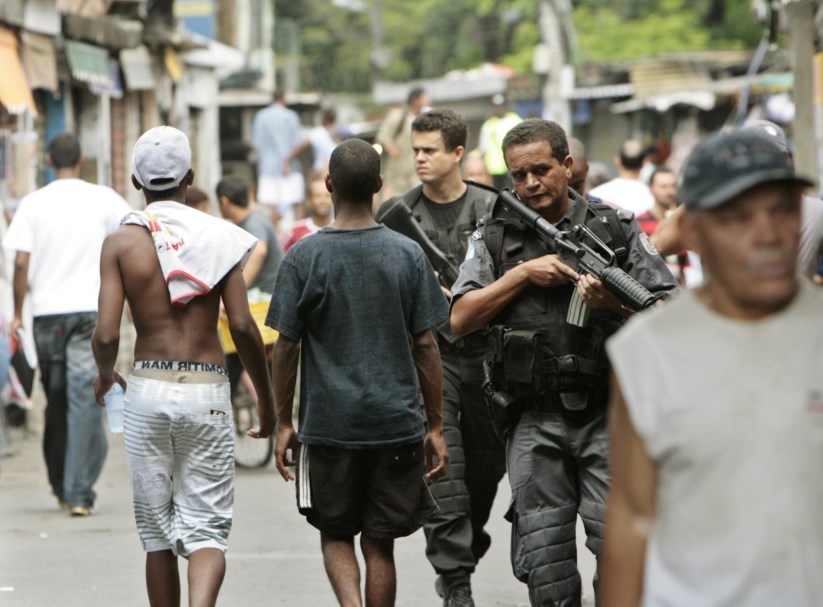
728	164
774	131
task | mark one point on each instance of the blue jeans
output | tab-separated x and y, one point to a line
5	364
74	440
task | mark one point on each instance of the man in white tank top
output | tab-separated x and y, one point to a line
717	409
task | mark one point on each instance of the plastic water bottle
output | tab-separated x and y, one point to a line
114	400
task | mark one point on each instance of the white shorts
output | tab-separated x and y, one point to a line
180	445
283	191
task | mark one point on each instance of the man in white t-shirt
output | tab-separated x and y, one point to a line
717	411
57	233
627	190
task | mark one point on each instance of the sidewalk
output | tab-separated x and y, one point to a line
48	558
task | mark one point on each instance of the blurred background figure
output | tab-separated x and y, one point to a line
399	174
275	133
56	235
580	168
197	199
474	169
627	190
491	140
261	268
322	141
319	206
657	156
598	175
264	261
663	186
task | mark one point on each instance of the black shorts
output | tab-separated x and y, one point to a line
379	492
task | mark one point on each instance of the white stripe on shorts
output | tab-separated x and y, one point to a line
303	479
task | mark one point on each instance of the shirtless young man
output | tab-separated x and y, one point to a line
178	418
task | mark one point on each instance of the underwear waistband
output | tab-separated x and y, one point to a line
188	366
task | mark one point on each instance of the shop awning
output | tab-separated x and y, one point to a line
89	64
705	96
606	91
15	94
113	86
40	61
704	100
138	69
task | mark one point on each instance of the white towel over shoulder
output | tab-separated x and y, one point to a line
195	250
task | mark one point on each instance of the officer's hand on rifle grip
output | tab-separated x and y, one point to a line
549	271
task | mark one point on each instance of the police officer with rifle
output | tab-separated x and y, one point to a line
445	209
546	369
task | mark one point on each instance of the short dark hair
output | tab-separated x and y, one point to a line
658	171
328	116
279	96
195	195
235	188
537	129
354	169
632	157
415	93
64	151
451	125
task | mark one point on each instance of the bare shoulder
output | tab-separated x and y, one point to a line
127	236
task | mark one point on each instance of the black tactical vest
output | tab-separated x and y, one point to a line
455	240
532	349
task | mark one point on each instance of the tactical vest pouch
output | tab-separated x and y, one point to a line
505	410
522	356
516	359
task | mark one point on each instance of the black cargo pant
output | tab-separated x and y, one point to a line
455	538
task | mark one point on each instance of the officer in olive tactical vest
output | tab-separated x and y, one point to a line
448	210
546	378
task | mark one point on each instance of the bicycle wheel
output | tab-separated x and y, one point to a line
249	452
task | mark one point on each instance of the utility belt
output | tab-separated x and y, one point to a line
473	342
524	362
522	373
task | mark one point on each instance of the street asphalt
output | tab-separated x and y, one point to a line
50	559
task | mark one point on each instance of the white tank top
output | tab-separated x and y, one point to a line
731	412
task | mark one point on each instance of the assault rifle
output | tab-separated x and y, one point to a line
397	216
580	249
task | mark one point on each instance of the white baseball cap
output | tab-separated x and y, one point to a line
161	158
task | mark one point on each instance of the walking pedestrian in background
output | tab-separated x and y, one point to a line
57	233
275	133
395	137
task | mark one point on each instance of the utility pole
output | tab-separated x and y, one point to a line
381	55
801	22
556	34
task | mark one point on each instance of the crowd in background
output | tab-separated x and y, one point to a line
452	192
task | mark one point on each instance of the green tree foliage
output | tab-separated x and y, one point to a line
428	38
606	36
618	30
